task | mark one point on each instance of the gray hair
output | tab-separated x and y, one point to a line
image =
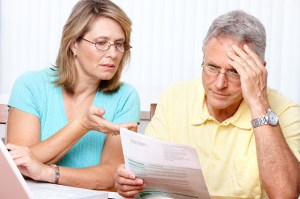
241	26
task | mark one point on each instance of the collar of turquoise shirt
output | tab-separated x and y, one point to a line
240	119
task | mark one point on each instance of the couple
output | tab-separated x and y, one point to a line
64	120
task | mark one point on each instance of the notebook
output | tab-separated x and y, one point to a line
13	185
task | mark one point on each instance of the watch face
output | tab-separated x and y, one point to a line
272	118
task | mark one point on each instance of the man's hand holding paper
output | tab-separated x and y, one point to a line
166	169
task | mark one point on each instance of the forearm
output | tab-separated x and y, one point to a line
278	167
24	129
55	147
98	177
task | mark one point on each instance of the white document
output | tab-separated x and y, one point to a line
43	190
170	170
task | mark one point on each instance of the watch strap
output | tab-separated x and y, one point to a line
259	121
269	118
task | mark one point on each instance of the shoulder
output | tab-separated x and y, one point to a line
35	77
31	91
184	88
276	98
180	95
126	90
123	94
40	81
125	87
186	84
279	102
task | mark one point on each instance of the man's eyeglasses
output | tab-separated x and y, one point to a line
105	45
214	71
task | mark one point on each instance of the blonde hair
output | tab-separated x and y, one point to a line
81	18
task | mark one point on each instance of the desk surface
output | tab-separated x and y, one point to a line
48	186
49	191
222	197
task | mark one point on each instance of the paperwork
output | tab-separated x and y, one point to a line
43	190
170	170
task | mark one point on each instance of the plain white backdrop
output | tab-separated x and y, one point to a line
167	40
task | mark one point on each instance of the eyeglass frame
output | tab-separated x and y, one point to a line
229	74
108	46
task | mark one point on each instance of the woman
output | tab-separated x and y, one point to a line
69	114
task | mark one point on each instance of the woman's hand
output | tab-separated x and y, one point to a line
93	120
126	183
29	165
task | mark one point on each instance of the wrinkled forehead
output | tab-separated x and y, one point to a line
216	51
226	39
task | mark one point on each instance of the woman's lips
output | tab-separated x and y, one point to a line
108	65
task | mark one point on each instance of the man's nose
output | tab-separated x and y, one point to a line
221	80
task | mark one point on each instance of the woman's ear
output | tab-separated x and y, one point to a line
73	47
265	63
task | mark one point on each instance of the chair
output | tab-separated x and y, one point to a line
3	116
3	113
152	109
147	115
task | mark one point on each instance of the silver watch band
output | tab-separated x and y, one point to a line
259	121
269	118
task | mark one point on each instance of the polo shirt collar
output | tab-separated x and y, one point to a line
240	119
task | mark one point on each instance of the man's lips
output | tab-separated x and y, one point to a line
219	95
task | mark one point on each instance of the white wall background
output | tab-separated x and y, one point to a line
167	40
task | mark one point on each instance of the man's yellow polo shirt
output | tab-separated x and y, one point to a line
226	150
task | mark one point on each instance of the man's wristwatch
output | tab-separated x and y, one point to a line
270	118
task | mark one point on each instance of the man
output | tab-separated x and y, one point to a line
247	135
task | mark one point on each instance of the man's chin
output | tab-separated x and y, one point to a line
218	103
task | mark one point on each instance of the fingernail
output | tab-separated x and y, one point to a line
246	46
132	176
140	181
229	53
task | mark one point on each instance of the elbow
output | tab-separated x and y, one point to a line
106	187
107	184
282	196
284	193
288	188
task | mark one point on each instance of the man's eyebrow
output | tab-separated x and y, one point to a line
232	69
214	65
